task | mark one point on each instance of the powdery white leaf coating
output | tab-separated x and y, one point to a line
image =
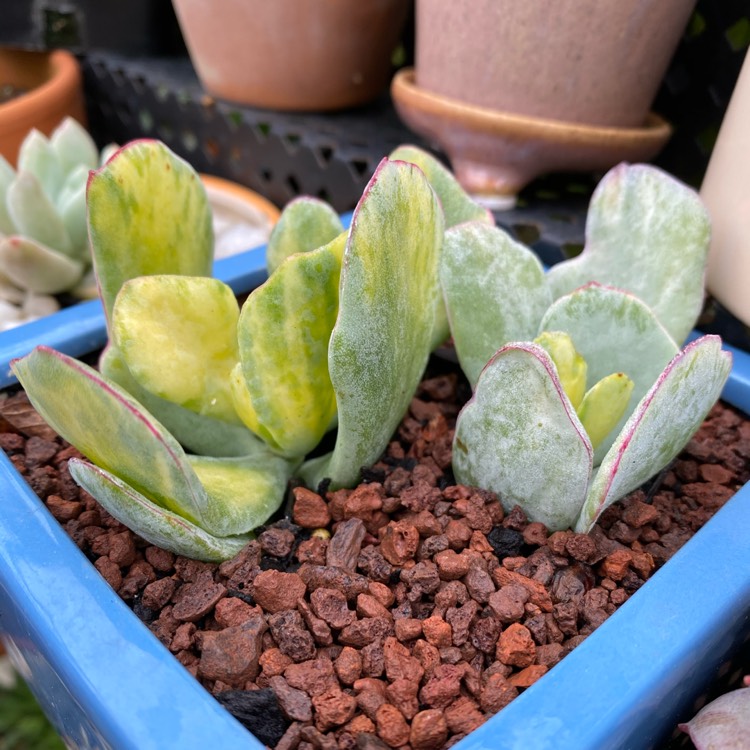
494	290
156	525
724	724
111	429
74	146
648	233
520	437
148	213
178	338
614	332
661	425
305	224
382	338
37	157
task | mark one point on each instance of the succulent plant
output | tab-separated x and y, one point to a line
202	409
608	321
724	723
43	242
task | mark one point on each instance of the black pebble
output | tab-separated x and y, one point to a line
505	542
258	711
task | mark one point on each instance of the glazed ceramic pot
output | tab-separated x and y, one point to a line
84	652
293	54
726	192
52	89
544	86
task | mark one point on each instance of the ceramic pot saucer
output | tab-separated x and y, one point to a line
495	154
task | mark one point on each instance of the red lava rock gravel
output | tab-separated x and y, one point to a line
424	610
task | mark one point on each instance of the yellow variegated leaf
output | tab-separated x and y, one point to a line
178	338
571	366
603	406
283	332
148	214
243	492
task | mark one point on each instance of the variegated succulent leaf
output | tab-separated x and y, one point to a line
613	331
382	338
112	430
458	207
520	437
571	366
283	390
305	224
494	290
155	524
647	233
243	492
177	336
662	424
148	214
32	266
603	405
198	433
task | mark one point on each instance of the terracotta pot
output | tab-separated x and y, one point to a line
293	54
588	66
726	192
52	82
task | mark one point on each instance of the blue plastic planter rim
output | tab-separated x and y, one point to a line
107	682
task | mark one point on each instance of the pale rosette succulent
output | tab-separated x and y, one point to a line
43	241
581	391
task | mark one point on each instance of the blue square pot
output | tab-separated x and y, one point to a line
105	681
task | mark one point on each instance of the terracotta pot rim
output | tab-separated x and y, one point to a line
243	194
65	77
405	91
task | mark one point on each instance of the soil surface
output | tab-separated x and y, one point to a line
402	613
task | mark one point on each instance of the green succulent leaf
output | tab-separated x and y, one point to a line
305	224
148	214
198	433
178	338
614	332
457	204
32	266
37	156
155	524
243	492
7	175
34	214
71	204
284	329
458	208
111	430
494	290
520	437
382	338
603	406
73	146
661	425
649	234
